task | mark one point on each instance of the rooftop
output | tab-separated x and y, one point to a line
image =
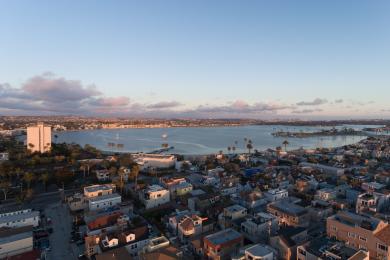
8	235
223	236
258	250
95	188
104	197
18	217
288	208
154	188
235	208
352	219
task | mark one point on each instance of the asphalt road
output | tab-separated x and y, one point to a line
59	239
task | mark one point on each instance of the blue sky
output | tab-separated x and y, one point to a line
197	58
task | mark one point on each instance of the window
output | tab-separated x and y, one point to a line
302	252
353	235
363	247
382	247
334	228
363	239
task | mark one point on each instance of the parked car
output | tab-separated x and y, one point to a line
41	234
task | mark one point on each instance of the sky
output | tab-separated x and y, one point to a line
202	59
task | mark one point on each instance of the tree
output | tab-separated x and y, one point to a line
5	187
285	143
234	149
44	178
134	172
28	178
229	149
121	173
249	146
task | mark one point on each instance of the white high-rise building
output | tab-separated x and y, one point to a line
39	138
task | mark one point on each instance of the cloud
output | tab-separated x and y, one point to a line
338	101
164	105
306	111
111	102
242	107
315	102
47	94
49	88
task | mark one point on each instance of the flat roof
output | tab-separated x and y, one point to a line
223	236
155	187
94	188
8	235
258	250
289	208
17	217
104	197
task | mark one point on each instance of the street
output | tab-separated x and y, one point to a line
59	239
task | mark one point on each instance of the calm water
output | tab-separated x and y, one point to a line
203	140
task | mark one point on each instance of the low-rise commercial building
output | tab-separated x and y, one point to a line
104	201
15	241
19	217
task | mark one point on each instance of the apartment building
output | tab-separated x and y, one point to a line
323	248
39	138
359	232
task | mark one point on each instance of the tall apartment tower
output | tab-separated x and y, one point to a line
39	138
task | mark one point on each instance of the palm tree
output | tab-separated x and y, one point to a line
234	149
28	178
44	178
285	143
249	146
134	172
121	173
229	149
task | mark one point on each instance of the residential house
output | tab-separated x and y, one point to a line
289	214
154	196
260	227
223	244
287	240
